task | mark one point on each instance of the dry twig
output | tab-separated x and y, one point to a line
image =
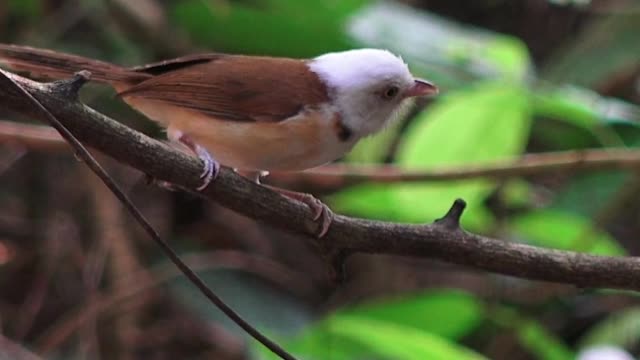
335	176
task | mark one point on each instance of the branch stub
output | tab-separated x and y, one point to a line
69	88
451	219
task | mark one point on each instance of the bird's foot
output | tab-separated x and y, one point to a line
211	168
321	212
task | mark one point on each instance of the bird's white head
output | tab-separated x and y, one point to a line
370	87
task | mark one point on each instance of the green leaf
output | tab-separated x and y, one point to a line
376	148
399	342
352	337
309	27
560	104
533	336
587	194
540	342
583	107
430	318
621	328
319	342
447	313
592	119
510	55
516	193
629	132
372	201
565	231
481	124
446	52
559	135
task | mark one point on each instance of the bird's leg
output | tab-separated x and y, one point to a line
211	166
321	212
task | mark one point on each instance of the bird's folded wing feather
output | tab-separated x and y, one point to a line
232	87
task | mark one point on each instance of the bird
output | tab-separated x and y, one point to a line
252	113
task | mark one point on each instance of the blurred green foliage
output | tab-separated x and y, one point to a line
26	8
608	47
423	326
310	28
619	329
446	313
566	231
533	336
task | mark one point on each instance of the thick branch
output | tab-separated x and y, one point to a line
442	240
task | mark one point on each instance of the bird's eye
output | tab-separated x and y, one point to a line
391	92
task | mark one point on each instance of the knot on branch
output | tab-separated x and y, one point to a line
69	88
451	220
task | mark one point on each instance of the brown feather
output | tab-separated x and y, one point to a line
234	87
59	65
165	66
227	87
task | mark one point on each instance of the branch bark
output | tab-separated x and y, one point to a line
444	239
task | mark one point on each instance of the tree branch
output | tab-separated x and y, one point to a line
335	176
341	175
442	240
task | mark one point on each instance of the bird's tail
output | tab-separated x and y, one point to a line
56	65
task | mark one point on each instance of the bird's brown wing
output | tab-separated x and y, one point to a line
233	87
165	66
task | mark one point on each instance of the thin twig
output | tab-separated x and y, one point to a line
340	175
71	88
33	137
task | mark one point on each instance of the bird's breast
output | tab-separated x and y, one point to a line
309	139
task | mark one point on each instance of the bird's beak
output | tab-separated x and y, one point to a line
421	88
